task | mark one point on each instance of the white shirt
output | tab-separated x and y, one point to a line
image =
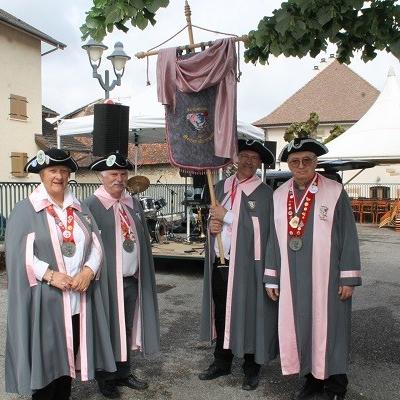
72	264
226	234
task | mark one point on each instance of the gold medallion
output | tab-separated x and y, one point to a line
294	222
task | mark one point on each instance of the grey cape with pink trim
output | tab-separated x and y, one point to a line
252	326
36	348
146	322
314	324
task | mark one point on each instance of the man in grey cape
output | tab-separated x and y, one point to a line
131	285
236	309
55	307
314	274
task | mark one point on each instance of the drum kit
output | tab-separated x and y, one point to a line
151	208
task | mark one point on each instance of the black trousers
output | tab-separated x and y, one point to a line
335	384
124	367
60	388
223	357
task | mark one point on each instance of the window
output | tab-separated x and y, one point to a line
18	161
18	107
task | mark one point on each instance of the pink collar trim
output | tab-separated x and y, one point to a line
247	187
108	201
40	199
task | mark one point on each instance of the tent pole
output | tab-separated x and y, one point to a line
354	176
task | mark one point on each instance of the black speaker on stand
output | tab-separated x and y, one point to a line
271	146
110	129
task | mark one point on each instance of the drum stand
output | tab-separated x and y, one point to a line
171	235
187	240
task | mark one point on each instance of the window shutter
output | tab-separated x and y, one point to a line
18	161
18	107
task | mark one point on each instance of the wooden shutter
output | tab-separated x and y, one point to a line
18	107
18	161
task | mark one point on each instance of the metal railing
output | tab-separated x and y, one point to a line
373	190
173	194
13	192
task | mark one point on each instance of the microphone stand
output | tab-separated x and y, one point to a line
173	193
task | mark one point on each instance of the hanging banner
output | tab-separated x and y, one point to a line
199	94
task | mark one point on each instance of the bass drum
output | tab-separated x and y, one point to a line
157	230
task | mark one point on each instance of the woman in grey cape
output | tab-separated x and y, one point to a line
53	258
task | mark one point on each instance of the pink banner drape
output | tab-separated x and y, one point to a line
215	66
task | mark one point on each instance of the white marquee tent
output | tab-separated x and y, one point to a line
376	136
148	129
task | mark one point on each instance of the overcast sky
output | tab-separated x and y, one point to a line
66	74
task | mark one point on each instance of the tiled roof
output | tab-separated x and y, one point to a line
47	127
16	23
49	111
337	94
68	143
87	109
80	147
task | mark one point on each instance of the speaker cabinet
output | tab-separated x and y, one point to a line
110	129
271	146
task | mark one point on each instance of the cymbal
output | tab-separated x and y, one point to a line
137	184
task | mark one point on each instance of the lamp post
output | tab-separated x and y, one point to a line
118	59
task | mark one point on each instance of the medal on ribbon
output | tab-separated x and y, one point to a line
129	238
297	221
68	246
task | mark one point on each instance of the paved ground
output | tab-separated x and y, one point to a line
375	359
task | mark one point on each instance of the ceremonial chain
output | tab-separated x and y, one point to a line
296	223
129	237
68	247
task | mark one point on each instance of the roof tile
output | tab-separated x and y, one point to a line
337	94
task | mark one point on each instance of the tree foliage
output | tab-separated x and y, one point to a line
297	28
302	27
107	14
302	129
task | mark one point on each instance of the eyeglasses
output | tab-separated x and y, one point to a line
247	157
306	162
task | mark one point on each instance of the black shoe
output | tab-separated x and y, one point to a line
330	396
307	392
250	382
108	389
212	372
132	382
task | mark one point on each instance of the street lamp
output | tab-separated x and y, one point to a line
118	59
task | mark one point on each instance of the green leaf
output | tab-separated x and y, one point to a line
324	16
114	16
141	21
299	30
91	22
305	4
283	24
139	4
149	16
153	6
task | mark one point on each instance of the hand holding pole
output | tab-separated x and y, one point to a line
213	202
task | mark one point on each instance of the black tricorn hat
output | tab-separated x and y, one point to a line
49	158
254	145
112	161
303	144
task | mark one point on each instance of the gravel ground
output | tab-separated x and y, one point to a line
375	358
